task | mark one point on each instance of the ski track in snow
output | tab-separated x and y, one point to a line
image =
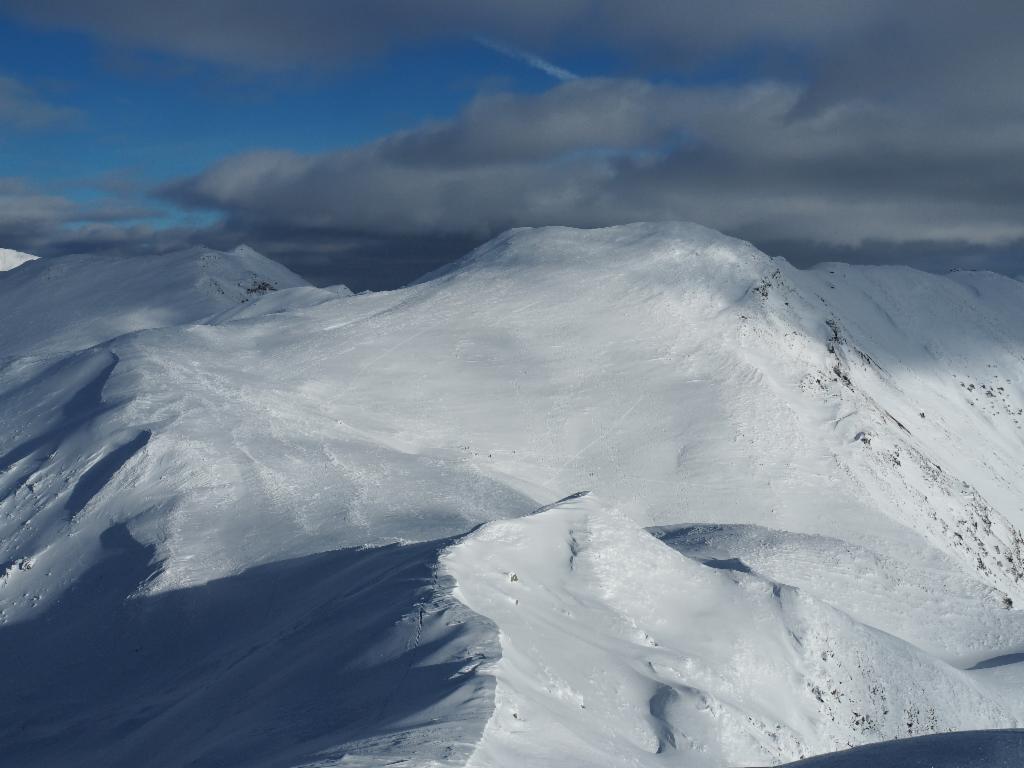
604	436
245	521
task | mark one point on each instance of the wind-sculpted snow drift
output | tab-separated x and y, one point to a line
245	521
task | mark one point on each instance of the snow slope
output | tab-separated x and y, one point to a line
9	259
716	665
263	669
803	532
74	302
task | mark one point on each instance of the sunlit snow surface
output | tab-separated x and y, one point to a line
245	521
9	259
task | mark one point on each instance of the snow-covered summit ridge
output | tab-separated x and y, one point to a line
73	302
835	451
9	259
662	254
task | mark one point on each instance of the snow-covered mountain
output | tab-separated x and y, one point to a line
246	526
75	302
9	259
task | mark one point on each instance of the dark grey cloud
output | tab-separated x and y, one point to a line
595	152
1007	258
582	114
859	130
45	224
359	261
912	49
263	34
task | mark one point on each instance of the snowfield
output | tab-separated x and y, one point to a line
246	521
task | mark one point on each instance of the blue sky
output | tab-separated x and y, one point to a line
155	117
333	136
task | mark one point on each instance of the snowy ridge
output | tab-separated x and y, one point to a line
277	657
9	259
591	634
804	531
74	302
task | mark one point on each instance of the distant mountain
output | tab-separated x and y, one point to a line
73	302
10	259
248	522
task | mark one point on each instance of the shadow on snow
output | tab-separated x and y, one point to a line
351	650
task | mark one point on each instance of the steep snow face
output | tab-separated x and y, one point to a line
299	662
74	302
9	259
831	459
716	665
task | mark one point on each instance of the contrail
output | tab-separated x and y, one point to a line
532	59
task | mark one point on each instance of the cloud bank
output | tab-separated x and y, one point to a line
873	131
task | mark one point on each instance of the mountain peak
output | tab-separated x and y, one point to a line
92	298
9	259
803	529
